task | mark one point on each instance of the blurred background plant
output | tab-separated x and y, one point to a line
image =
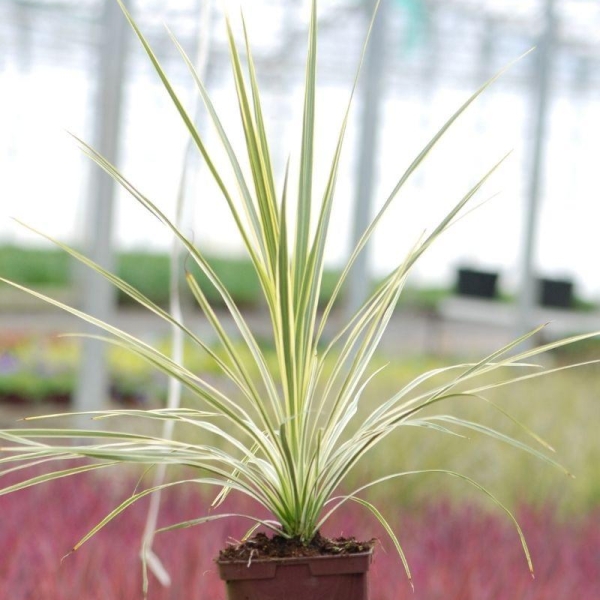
51	270
37	374
456	552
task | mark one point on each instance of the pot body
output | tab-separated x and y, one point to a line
302	578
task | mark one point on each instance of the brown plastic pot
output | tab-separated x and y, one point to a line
302	578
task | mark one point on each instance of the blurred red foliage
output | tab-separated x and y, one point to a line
454	553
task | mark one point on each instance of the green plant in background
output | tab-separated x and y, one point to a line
289	433
34	266
148	272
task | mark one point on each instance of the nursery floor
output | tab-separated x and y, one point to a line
459	326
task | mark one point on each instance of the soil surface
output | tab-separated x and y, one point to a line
262	546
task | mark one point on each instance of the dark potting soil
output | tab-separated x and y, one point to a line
263	546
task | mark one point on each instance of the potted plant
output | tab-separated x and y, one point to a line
288	436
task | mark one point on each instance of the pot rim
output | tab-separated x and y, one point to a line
267	568
298	559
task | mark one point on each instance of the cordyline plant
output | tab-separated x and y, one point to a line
293	440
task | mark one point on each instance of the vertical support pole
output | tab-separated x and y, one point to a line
98	296
371	100
485	64
541	92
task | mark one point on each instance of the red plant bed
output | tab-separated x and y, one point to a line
455	554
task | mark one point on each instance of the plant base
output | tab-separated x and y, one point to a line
298	578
